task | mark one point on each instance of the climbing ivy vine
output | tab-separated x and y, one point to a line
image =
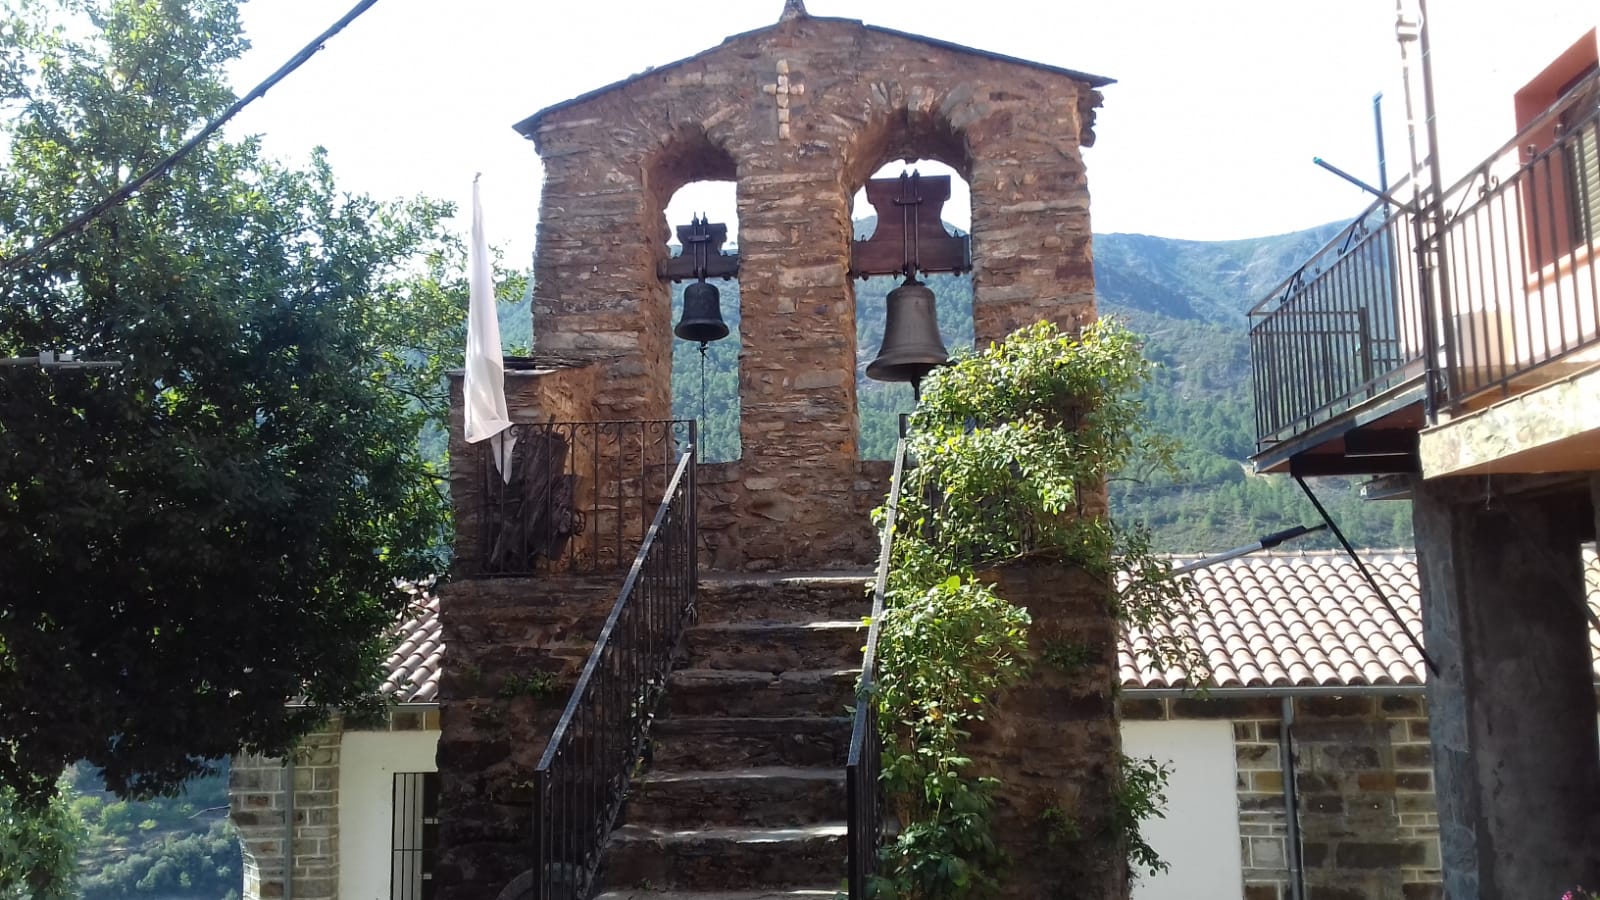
1012	446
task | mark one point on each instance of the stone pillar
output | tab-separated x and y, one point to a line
596	294
1055	743
1516	761
513	650
797	387
258	792
1031	243
257	808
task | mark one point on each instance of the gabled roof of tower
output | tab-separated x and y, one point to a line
528	126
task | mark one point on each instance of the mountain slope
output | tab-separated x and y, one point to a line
1188	299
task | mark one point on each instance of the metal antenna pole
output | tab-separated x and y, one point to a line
1406	31
1377	126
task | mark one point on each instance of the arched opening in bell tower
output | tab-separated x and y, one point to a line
705	374
690	179
879	404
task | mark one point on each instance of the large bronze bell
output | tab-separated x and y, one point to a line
911	346
702	315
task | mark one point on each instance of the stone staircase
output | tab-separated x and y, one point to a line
743	797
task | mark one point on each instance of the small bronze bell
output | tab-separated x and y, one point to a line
911	346
702	315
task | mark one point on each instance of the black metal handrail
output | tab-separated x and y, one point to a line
863	788
1513	285
583	775
578	498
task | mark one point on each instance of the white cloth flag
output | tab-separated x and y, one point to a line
485	389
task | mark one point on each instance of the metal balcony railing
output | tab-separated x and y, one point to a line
1344	328
579	497
1511	286
1517	254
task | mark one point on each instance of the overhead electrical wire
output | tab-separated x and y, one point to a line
122	194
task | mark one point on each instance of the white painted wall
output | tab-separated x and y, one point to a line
1199	837
368	763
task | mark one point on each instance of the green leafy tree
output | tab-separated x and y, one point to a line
218	524
38	847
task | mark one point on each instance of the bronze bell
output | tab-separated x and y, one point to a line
911	346
702	315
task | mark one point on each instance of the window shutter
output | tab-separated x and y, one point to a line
1582	127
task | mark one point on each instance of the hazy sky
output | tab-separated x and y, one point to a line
1208	133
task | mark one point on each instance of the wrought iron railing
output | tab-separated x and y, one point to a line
579	496
1512	286
863	788
1344	328
1518	252
583	775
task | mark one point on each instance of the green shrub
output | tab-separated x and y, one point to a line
1012	448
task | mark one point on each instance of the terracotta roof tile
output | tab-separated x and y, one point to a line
1302	620
413	666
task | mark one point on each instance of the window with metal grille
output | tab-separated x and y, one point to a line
416	835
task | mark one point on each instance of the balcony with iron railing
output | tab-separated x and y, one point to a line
1436	307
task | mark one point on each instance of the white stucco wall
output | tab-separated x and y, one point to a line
366	801
1199	837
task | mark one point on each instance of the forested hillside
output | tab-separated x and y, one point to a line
1188	298
168	848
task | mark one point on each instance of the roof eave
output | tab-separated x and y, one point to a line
529	127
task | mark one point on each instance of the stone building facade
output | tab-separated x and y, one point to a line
798	115
287	810
1362	770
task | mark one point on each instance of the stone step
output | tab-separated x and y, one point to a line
722	742
767	797
641	856
785	597
732	692
776	647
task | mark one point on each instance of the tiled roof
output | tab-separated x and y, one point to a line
1270	620
1278	620
413	667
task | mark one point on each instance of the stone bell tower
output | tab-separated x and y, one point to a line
798	115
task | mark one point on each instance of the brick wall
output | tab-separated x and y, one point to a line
1369	829
259	798
259	803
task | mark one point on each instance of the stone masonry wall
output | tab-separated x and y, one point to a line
495	721
800	115
1054	742
259	805
1369	827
